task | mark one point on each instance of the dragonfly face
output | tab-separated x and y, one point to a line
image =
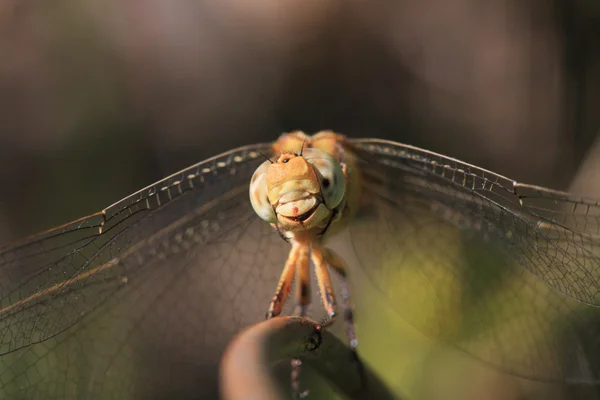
298	192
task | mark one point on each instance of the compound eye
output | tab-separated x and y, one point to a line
331	176
258	194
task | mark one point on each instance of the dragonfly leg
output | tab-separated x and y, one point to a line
338	265
331	259
302	301
327	295
285	283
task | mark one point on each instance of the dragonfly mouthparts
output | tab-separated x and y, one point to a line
305	216
303	213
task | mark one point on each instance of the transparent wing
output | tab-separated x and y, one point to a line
139	300
508	272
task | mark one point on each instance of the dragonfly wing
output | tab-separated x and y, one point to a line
508	272
140	300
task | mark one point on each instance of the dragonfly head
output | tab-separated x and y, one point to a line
298	191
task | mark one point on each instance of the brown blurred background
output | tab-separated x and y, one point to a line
100	98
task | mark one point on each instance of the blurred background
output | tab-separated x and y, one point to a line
101	98
98	99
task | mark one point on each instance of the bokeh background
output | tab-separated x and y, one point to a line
100	98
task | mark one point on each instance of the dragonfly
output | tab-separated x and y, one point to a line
99	307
